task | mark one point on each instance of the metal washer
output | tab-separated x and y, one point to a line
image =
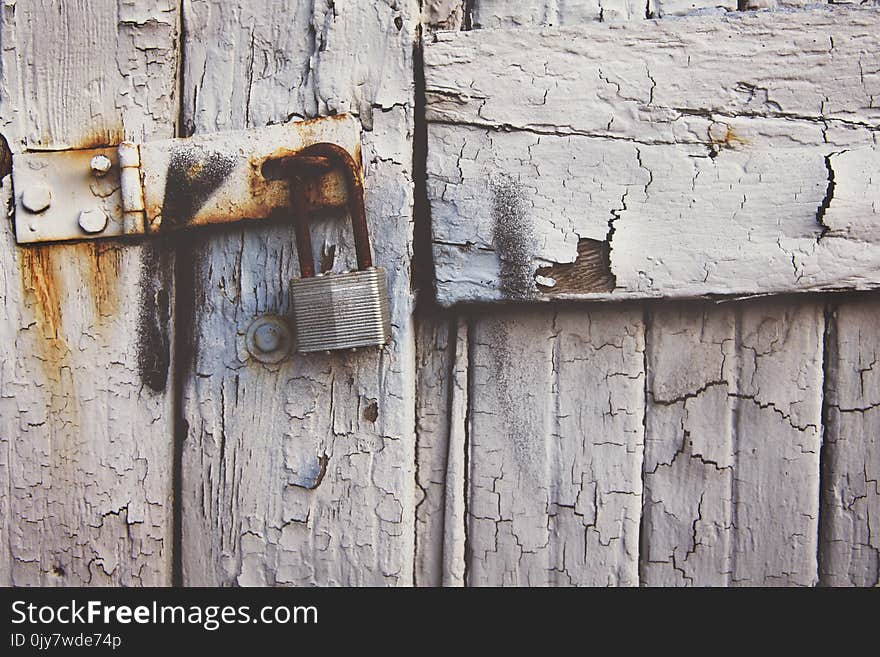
269	339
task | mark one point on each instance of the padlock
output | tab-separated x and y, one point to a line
339	311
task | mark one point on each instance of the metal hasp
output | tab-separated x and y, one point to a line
156	187
339	311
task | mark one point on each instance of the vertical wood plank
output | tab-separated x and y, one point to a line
732	446
457	463
534	415
300	473
850	537
556	446
441	414
435	355
85	329
689	446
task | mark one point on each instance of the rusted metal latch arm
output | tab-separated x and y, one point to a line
333	156
156	187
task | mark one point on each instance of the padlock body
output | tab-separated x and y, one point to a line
341	311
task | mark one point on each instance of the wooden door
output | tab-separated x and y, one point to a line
577	151
140	444
537	437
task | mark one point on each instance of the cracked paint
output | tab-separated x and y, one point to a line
85	425
712	472
301	473
548	503
739	188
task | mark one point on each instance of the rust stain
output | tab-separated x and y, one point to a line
196	193
196	176
723	136
5	157
39	280
104	264
44	285
107	136
39	283
590	272
354	189
99	139
322	185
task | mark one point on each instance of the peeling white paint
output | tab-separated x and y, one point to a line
86	425
256	434
732	445
713	176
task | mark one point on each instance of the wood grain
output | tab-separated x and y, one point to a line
86	424
441	477
850	550
555	450
255	511
732	446
704	178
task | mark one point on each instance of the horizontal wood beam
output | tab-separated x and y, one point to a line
700	157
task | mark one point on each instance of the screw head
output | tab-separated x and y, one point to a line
36	198
100	165
93	220
268	339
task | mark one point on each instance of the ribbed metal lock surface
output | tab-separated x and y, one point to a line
341	311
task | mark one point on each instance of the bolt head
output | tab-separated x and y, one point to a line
100	165
267	337
36	198
93	220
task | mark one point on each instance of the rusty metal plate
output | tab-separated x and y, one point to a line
53	189
231	176
202	180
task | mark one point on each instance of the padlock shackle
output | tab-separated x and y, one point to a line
355	190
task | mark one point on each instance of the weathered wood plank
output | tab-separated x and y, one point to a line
850	540
435	356
301	473
732	444
85	403
643	160
555	448
441	414
530	14
457	477
443	14
536	13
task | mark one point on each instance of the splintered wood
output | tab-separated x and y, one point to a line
697	174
